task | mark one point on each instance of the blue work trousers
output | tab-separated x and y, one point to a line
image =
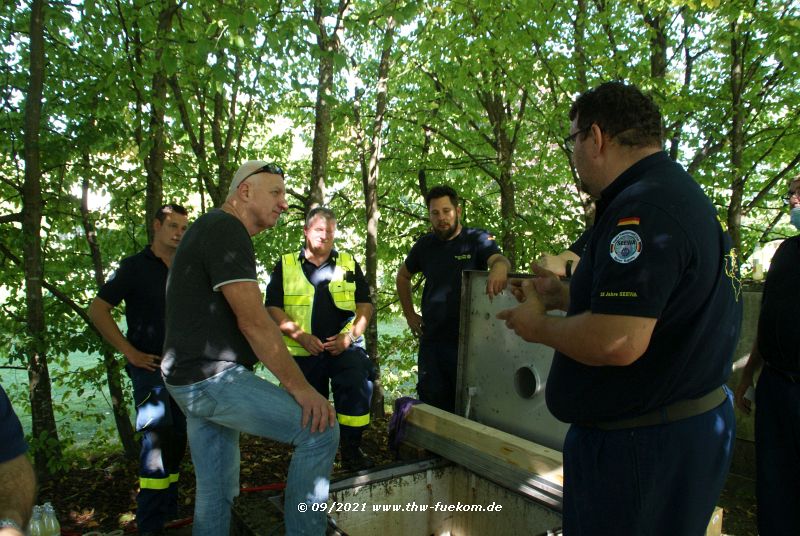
350	376
163	440
655	480
777	454
437	366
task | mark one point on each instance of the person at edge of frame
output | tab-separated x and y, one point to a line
777	395
17	479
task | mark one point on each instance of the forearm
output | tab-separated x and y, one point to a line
17	490
266	341
361	321
594	340
287	326
754	363
404	295
100	316
499	262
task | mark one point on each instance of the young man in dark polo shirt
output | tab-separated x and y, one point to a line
653	317
141	282
442	255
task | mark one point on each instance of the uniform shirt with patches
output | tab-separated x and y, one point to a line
657	251
441	262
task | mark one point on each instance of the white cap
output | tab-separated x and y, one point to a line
251	167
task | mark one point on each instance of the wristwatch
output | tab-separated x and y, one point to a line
568	268
7	523
352	339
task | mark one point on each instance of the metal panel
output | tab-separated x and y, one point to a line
501	378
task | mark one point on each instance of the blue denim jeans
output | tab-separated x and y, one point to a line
237	400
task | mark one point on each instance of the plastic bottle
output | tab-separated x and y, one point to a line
50	522
36	526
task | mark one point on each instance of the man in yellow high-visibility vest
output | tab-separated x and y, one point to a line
320	300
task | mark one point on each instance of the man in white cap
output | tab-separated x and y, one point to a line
217	329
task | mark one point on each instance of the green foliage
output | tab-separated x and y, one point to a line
51	447
478	97
398	364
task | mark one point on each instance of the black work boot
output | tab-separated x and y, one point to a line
354	459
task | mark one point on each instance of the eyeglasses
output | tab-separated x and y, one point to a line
569	141
788	197
272	169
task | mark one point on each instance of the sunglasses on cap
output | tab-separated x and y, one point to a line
272	169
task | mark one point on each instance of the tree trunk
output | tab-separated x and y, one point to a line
322	111
504	146
45	434
579	58
737	136
154	163
118	403
371	204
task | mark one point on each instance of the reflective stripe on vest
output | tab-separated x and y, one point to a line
298	294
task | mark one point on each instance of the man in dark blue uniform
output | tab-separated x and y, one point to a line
653	316
17	481
141	281
776	353
320	300
441	256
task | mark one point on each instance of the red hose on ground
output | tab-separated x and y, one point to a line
188	520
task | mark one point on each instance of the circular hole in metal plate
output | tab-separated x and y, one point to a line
526	382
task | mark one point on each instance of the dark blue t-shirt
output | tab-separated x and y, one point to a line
441	262
140	281
780	309
657	251
326	318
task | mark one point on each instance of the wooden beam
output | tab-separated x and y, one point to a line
507	460
510	449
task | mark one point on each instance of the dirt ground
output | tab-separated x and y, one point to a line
100	494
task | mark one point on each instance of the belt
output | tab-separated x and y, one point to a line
682	409
788	376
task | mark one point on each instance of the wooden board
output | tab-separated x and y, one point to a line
512	450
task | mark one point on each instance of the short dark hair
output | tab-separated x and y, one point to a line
621	111
324	212
161	213
441	191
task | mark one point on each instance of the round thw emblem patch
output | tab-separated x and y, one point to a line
625	247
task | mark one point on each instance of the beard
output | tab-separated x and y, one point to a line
446	234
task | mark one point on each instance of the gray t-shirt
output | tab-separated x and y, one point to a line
202	335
